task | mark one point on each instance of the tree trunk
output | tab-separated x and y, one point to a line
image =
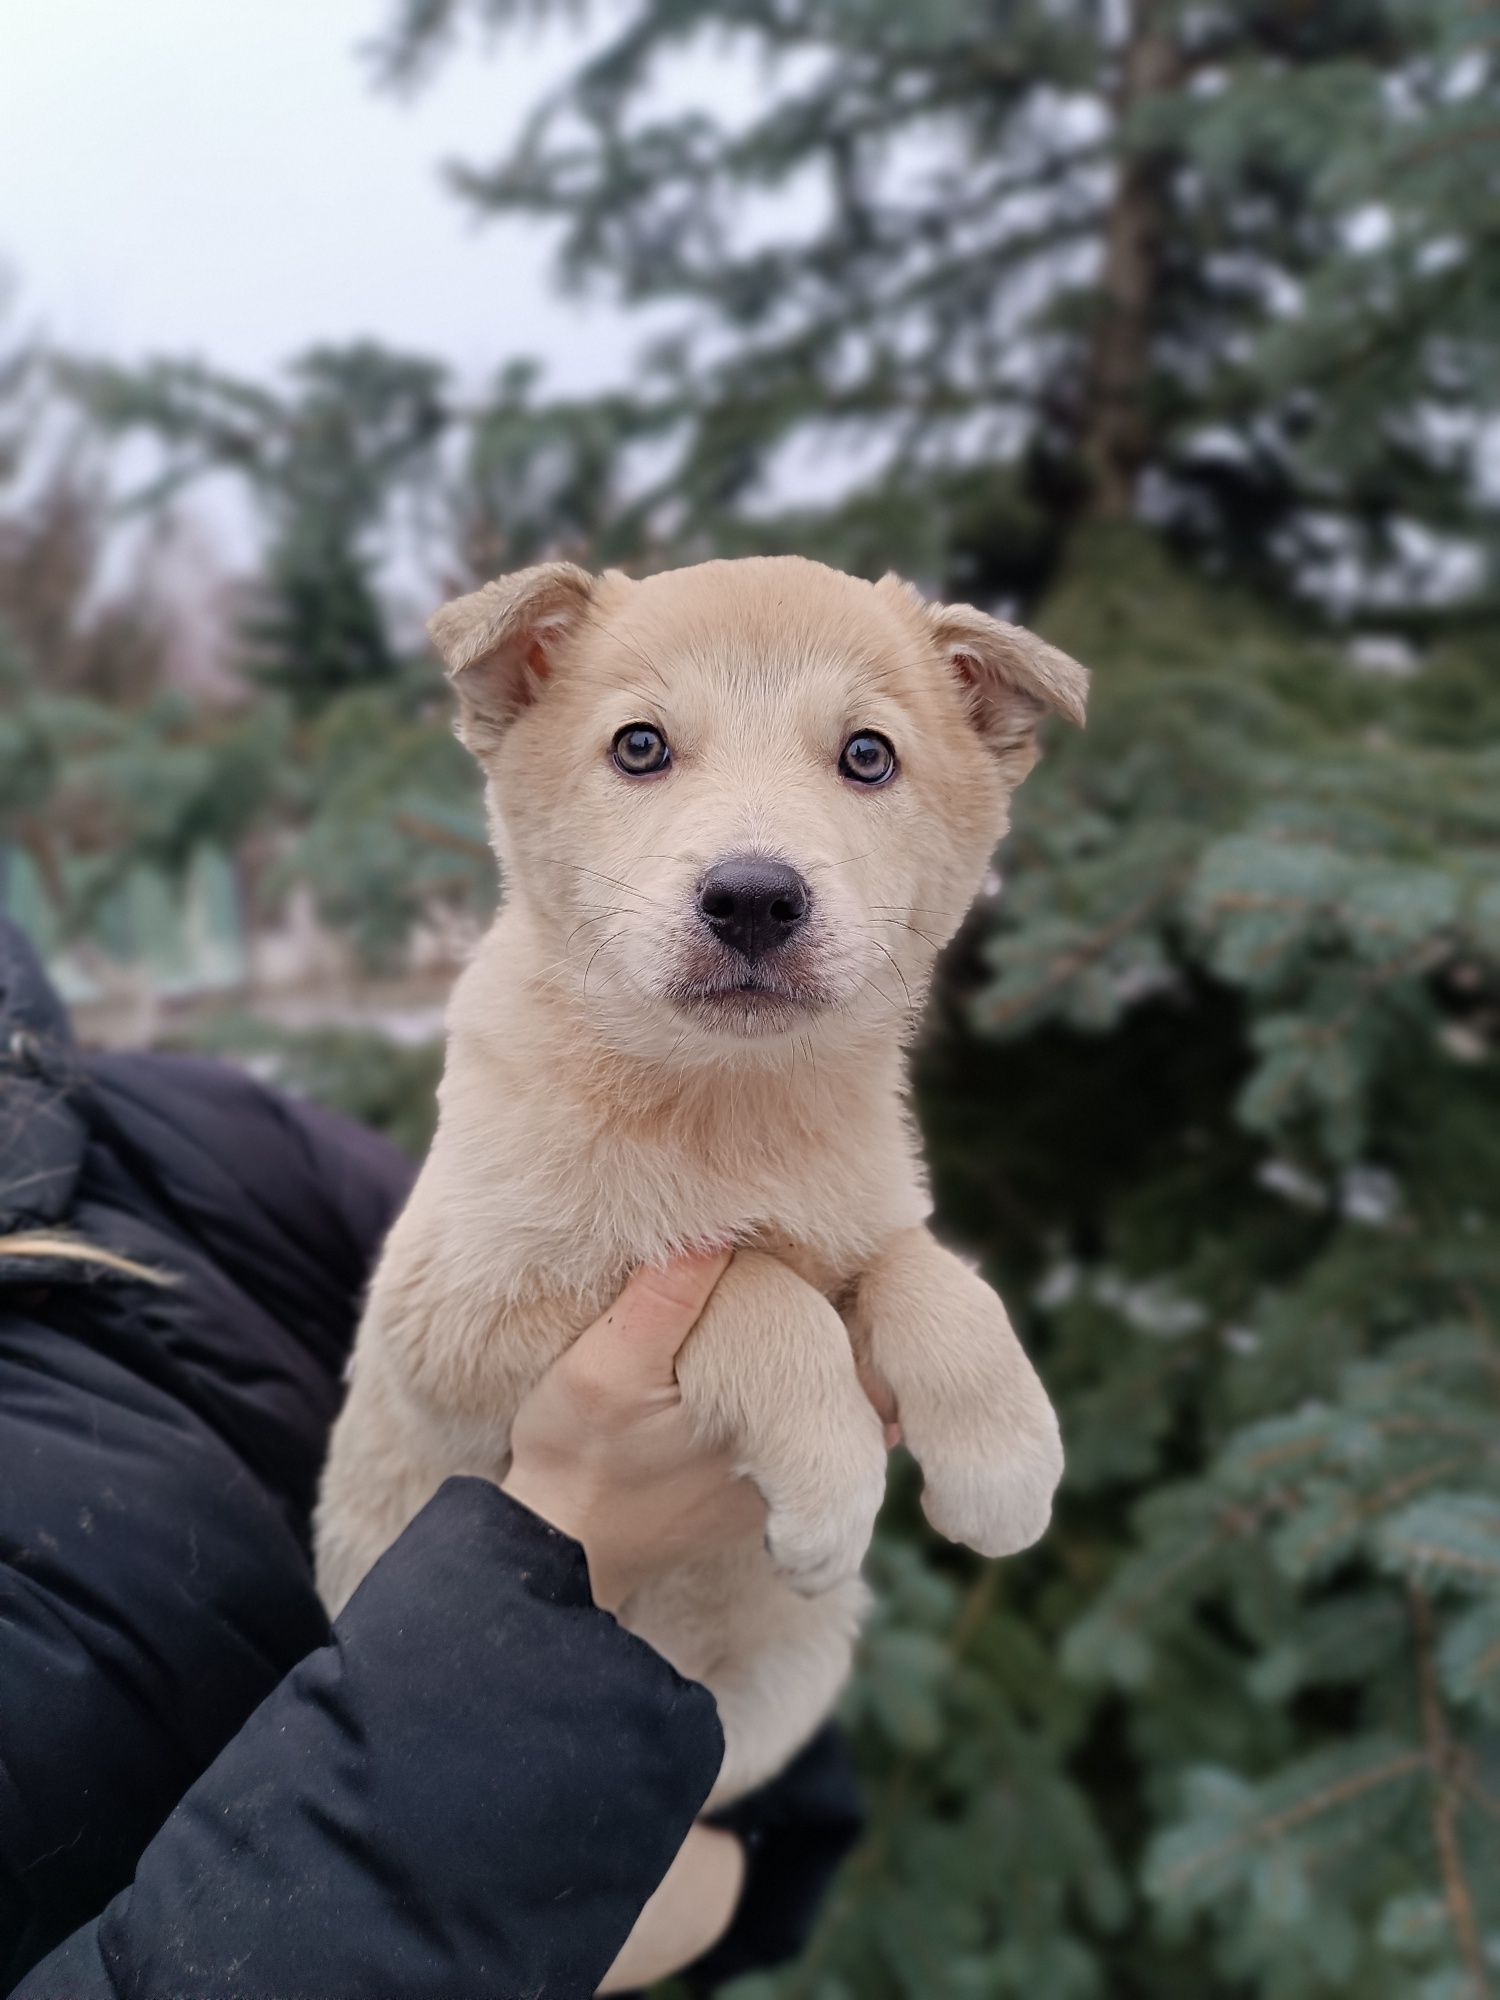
1117	434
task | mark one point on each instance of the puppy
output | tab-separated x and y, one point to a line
739	808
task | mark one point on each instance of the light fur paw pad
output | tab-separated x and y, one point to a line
993	1505
816	1553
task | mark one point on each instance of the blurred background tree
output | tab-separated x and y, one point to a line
1042	262
1174	327
110	774
328	458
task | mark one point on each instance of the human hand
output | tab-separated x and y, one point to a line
603	1449
689	1913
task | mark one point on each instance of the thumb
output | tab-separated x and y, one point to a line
639	1337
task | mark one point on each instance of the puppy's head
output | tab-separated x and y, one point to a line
746	802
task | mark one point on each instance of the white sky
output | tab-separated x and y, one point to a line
219	178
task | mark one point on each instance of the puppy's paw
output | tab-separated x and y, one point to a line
996	1498
816	1556
818	1540
972	1409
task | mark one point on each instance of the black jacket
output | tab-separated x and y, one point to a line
472	1785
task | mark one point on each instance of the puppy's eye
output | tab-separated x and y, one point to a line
639	750
867	758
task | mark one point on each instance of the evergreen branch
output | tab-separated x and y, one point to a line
1447	142
1277	1454
1476	1433
1475	1793
1232	1523
1366	1507
1131	1610
1270	1828
1430	1556
1066	967
1420	1365
1486	1666
1441	1766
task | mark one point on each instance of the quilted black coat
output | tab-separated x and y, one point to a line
472	1784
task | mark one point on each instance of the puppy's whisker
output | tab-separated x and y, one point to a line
598	919
902	924
603	945
629	887
896	969
865	932
848	861
889	998
812	1056
659	1069
610	980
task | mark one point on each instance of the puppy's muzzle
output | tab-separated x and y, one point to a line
753	905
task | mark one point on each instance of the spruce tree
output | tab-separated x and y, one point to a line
327	456
369	803
106	769
1039	261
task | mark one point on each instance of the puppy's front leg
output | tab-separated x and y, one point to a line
972	1410
768	1370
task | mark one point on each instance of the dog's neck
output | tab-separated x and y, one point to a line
556	1041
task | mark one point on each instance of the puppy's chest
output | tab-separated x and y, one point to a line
630	1201
817	1224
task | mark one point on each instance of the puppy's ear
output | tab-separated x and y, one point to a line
1009	677
499	643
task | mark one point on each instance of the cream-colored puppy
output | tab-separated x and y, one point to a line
738	808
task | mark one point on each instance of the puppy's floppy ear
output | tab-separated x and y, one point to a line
1009	677
498	643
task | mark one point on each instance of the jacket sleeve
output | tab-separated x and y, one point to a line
471	1791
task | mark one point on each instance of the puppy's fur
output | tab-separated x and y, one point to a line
620	1085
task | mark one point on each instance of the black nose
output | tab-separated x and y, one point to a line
754	905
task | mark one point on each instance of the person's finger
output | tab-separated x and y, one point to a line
638	1338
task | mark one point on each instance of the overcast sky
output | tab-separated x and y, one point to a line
219	178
